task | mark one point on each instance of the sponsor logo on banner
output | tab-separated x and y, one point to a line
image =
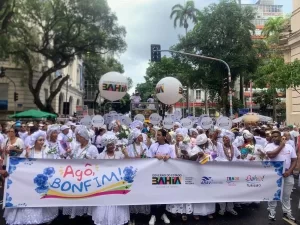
209	180
254	181
71	183
166	179
231	181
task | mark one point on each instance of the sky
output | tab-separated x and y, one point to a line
148	22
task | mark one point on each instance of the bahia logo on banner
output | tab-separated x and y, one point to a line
74	183
166	179
254	181
231	181
209	180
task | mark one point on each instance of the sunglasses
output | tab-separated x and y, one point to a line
41	139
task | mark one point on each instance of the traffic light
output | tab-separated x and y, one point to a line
155	53
225	83
16	96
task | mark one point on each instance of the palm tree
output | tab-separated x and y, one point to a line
183	13
274	26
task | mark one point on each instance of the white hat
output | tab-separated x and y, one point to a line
64	127
201	139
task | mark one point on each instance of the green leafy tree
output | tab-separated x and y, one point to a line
6	13
276	74
273	26
183	13
222	32
265	99
59	31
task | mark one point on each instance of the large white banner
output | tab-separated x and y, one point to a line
46	182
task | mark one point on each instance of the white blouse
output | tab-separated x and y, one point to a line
117	155
157	149
135	150
88	152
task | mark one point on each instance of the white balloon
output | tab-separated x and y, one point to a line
187	123
155	118
97	121
86	121
169	90
224	122
168	123
206	123
113	86
140	117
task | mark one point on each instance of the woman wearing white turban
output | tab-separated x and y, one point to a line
137	148
84	150
110	215
202	151
181	149
228	153
52	143
19	216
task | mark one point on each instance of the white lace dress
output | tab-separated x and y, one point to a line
88	152
135	150
28	216
110	215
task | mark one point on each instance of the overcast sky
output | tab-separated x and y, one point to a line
148	22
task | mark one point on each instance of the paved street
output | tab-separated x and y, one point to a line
253	214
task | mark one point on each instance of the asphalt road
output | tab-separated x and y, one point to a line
248	215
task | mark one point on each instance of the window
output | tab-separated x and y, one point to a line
198	94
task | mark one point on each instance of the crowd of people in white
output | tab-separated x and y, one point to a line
71	141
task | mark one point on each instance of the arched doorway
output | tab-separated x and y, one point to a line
78	102
60	103
71	105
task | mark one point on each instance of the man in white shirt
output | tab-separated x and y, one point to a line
278	150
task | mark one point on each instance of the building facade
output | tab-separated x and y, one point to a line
72	91
291	45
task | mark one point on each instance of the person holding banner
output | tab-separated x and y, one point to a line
181	145
137	150
52	143
110	215
228	153
162	151
201	154
20	216
84	150
280	151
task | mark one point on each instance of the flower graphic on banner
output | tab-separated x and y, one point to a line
129	174
279	170
41	180
14	161
8	200
9	182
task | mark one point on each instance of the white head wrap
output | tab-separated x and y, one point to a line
51	129
247	135
180	131
193	130
63	127
112	125
229	134
133	135
178	124
78	127
35	136
136	124
199	128
83	132
201	139
109	138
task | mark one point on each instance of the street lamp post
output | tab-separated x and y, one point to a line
214	59
2	74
